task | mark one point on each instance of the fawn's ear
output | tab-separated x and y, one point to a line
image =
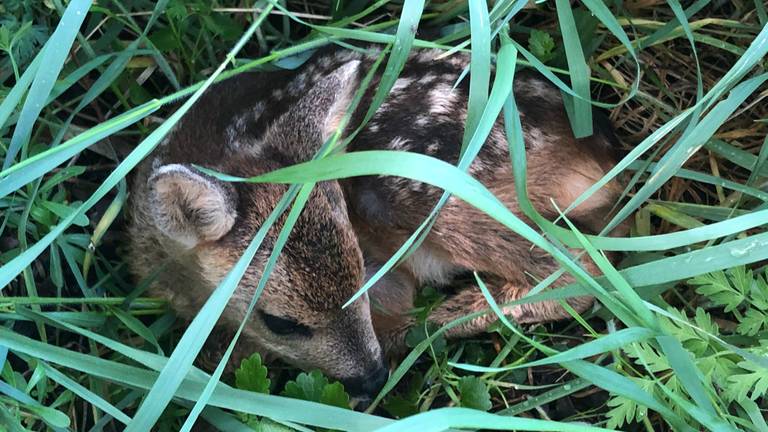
191	207
320	110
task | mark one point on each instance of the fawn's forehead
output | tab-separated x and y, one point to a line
295	284
320	266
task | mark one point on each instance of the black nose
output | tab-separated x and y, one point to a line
367	385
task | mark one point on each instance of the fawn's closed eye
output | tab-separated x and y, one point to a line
284	326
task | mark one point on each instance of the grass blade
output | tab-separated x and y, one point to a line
56	51
579	110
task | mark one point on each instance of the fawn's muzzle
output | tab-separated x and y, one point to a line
369	384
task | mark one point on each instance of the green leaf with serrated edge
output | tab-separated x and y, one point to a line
717	288
626	410
334	394
752	384
541	44
646	356
314	387
691	339
474	393
752	322
252	375
759	293
745	354
307	386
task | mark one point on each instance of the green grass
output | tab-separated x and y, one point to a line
679	341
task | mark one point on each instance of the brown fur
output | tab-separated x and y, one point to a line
255	123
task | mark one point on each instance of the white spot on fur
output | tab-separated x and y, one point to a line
298	84
536	137
428	78
422	121
428	267
401	84
536	88
399	143
235	132
346	55
478	167
459	60
169	136
442	99
339	108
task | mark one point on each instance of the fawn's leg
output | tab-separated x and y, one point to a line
471	300
391	304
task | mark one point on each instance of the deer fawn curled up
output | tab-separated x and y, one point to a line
258	122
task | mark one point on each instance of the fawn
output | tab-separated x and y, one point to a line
257	122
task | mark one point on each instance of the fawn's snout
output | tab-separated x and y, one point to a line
368	385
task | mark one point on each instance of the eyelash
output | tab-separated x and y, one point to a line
284	326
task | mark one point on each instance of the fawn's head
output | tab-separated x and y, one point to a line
299	316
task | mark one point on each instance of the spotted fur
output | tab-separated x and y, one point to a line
253	123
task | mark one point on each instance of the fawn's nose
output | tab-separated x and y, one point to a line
369	384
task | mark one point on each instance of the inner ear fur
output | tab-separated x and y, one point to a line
191	207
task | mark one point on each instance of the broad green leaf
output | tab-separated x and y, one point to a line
474	393
314	387
252	375
541	44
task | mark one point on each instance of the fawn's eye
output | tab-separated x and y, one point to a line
284	326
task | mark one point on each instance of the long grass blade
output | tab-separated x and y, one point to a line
56	51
